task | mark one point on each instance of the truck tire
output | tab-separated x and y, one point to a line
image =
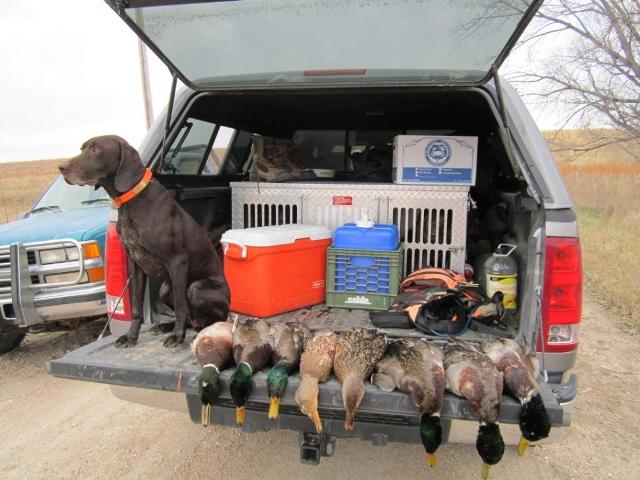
9	341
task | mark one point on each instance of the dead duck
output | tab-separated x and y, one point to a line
471	374
286	343
520	371
251	352
357	353
416	368
491	310
213	350
316	363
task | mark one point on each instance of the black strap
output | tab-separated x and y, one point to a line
446	315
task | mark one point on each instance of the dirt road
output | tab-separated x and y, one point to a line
51	428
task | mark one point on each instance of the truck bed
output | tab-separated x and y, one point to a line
150	365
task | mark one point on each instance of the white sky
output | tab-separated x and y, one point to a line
70	71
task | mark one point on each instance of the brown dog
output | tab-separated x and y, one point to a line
160	238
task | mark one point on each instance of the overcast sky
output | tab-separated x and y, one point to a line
70	71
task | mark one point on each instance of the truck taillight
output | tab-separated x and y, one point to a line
116	273
562	295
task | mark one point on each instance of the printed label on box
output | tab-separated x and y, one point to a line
435	160
432	175
342	200
358	300
317	284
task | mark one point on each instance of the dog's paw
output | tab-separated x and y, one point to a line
173	341
125	342
160	328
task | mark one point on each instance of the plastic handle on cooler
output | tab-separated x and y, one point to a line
513	247
226	243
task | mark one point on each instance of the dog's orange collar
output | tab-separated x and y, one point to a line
137	188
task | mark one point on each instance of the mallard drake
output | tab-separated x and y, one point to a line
416	368
251	352
357	353
213	350
315	366
491	309
286	342
471	374
520	371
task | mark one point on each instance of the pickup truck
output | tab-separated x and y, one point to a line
340	79
52	263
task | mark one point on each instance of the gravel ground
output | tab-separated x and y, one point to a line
52	428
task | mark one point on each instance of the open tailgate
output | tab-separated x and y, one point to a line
150	365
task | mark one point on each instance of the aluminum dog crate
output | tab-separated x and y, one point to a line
432	219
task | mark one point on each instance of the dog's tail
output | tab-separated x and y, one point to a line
214	235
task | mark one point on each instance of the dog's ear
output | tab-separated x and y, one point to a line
130	170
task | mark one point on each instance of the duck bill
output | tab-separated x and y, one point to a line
349	422
274	407
522	446
240	412
432	460
315	418
484	471
206	415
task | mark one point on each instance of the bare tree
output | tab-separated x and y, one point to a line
595	77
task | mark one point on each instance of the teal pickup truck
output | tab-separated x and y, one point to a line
52	263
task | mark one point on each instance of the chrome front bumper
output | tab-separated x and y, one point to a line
26	298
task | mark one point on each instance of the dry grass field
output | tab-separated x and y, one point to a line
604	185
21	184
571	147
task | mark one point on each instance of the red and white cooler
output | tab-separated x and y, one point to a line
272	270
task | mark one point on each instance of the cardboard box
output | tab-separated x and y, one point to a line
435	160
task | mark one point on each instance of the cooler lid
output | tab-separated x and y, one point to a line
275	235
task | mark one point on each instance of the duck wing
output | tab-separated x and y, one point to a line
433	361
357	352
301	335
317	359
213	345
518	369
285	345
414	367
252	344
472	375
391	369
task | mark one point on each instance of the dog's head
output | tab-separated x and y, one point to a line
103	160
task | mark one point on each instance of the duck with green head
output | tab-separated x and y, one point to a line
471	374
520	371
357	353
286	343
251	352
212	348
416	368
